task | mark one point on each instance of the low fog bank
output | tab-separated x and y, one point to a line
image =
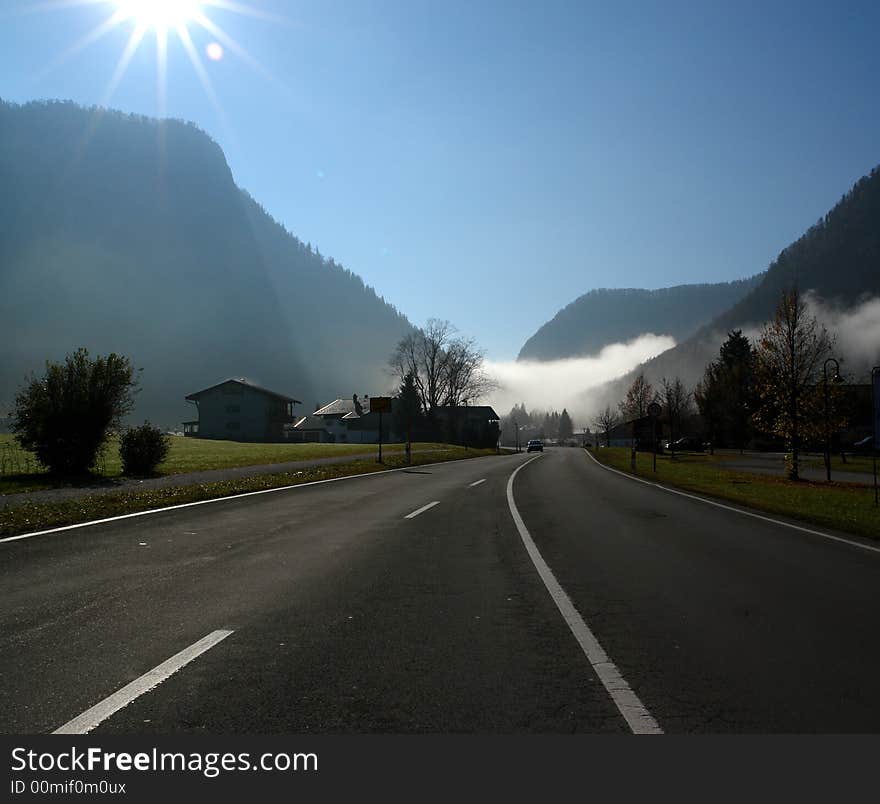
558	384
856	331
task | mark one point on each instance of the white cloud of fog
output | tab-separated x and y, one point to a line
561	384
857	332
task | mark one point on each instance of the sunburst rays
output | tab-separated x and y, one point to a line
165	21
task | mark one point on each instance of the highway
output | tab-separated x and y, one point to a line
416	601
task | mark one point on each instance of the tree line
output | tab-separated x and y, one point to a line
773	391
521	424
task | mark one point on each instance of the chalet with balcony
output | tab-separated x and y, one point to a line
237	410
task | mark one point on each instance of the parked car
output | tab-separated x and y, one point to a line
688	443
535	446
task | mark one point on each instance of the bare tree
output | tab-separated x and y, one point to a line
446	370
789	358
639	395
676	401
464	376
422	353
605	422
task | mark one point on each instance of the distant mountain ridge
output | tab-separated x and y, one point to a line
606	316
125	233
837	260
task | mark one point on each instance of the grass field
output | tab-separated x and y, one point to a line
854	463
19	470
41	515
837	505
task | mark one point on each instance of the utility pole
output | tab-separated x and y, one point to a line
875	399
836	379
654	411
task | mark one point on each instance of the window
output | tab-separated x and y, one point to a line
233	425
233	408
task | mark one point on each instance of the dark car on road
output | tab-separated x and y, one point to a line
535	446
688	443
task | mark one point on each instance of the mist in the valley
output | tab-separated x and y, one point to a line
856	331
558	384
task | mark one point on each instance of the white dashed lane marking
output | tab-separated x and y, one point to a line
422	510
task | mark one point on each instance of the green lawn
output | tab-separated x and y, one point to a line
841	506
19	470
854	463
40	515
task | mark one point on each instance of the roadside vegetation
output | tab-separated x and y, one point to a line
20	471
28	517
839	506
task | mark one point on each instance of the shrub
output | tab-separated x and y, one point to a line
142	449
64	417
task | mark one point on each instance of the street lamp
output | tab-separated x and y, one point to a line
837	379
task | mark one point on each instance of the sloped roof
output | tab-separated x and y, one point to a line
338	407
470	411
247	384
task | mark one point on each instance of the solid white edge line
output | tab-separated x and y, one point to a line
477	483
753	514
93	717
627	702
149	511
422	510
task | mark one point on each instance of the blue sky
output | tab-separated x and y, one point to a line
488	162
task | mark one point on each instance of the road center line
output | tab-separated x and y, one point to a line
477	483
627	702
852	543
422	510
88	720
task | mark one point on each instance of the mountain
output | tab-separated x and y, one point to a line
128	234
606	316
836	261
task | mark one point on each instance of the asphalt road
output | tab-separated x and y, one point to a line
348	616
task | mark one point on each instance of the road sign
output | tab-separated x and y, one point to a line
380	404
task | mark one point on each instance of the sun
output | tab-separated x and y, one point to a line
170	23
159	15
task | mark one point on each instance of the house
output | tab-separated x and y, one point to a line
342	421
237	410
331	418
472	425
363	427
309	429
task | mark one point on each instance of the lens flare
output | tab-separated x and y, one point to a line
170	23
